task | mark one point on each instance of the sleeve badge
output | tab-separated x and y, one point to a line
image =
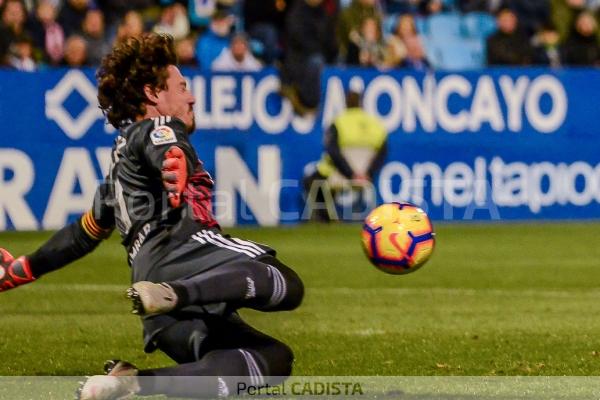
163	135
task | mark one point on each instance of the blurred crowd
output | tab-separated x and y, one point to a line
299	36
551	33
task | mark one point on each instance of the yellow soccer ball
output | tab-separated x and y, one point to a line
398	238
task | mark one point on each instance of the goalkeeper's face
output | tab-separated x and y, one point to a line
176	100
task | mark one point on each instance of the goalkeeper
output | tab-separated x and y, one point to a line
188	278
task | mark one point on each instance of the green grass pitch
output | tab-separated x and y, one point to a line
514	299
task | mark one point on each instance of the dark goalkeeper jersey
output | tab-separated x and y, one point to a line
133	197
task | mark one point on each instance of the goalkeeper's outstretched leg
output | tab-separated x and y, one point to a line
217	356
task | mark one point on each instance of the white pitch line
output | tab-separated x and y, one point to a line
76	287
340	291
462	292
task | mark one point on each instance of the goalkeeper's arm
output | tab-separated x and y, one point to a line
67	245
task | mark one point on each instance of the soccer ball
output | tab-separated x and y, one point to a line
398	238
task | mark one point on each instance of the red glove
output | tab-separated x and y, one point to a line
13	272
174	175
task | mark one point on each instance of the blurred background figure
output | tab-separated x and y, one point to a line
212	42
508	46
132	25
489	6
532	14
366	47
237	57
72	14
546	47
173	21
13	18
94	34
415	55
12	25
301	37
351	20
115	10
581	48
47	34
186	52
75	52
264	21
310	45
21	54
395	43
430	7
564	13
355	150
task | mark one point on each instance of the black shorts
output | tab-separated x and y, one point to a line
181	254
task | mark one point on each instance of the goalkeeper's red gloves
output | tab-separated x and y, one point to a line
13	272
174	175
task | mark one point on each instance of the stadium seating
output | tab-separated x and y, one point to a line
454	41
478	24
444	25
461	54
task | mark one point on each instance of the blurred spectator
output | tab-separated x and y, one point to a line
75	52
173	21
490	6
310	46
186	52
94	35
21	54
72	14
115	10
12	24
405	27
13	17
212	43
366	48
415	55
264	20
351	20
509	45
532	14
332	10
47	34
395	52
546	47
132	25
564	13
237	57
582	46
395	48
430	7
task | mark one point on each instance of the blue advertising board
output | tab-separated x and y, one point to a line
498	144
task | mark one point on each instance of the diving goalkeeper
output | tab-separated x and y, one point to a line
188	278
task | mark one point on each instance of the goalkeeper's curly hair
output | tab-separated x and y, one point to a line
123	73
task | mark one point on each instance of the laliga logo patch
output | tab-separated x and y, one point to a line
163	135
